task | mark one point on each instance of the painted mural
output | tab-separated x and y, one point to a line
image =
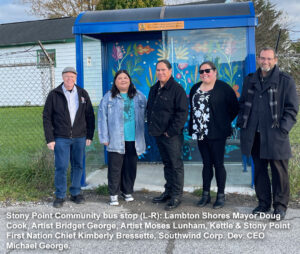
186	50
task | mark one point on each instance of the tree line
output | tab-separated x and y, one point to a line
272	30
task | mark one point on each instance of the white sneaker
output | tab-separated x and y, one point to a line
114	200
127	197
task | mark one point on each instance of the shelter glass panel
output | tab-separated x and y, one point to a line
227	49
186	50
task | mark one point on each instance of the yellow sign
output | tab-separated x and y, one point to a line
161	26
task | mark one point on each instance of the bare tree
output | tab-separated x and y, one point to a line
127	4
271	24
60	8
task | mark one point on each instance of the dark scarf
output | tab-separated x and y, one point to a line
272	91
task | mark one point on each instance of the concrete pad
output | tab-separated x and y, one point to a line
150	177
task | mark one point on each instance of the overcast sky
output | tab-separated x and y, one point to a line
291	8
15	11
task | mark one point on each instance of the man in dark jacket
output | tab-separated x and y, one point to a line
167	111
69	125
268	109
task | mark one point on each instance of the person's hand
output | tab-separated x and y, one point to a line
106	143
51	145
88	142
166	134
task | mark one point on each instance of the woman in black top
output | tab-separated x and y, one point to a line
214	106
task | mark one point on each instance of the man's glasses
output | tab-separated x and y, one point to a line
205	70
266	58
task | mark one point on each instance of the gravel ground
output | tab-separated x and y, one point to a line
143	227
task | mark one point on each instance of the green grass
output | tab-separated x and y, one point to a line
294	163
295	132
102	190
21	133
294	172
31	181
198	193
26	166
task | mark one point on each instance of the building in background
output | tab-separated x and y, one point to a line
107	41
19	49
23	71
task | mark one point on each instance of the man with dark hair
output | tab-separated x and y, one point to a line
167	111
69	125
268	109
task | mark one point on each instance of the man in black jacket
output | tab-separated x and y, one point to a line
69	125
268	109
167	111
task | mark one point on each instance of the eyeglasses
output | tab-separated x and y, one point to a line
206	70
264	58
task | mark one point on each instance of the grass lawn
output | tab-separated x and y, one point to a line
22	135
26	165
295	132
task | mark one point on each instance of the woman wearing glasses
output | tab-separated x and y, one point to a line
213	106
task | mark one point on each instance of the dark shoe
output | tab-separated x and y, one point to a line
204	200
79	199
163	198
220	201
58	202
172	204
260	209
278	214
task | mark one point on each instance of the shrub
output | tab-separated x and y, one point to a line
294	172
102	190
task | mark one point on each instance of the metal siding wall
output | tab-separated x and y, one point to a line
93	69
65	56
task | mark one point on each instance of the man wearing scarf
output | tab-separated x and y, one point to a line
268	109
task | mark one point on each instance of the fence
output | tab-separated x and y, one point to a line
24	86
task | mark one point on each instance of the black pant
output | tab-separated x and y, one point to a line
170	152
280	179
212	153
122	170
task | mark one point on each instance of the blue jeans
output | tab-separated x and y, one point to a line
65	150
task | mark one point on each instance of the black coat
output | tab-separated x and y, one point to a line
167	109
56	116
223	108
274	142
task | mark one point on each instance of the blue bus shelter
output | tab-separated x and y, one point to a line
186	35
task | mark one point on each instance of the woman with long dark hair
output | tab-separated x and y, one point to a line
121	130
214	106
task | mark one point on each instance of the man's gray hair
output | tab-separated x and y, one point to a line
269	48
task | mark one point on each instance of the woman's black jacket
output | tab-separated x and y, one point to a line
223	107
